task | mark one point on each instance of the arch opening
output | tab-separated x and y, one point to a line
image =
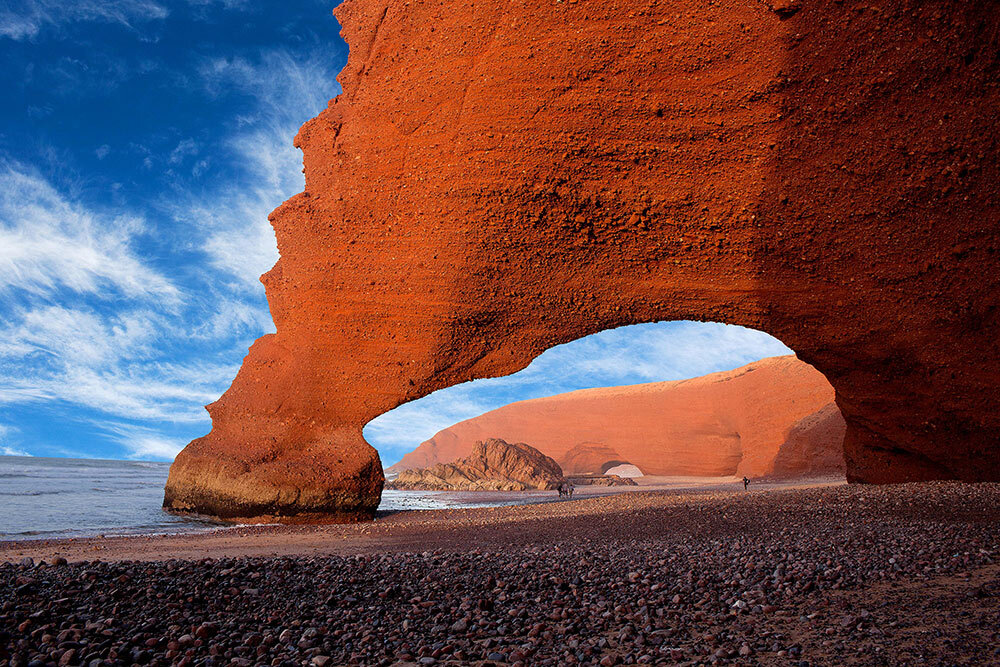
665	399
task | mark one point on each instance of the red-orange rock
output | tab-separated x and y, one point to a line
499	178
772	417
489	465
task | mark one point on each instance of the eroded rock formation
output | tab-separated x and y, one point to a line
492	465
601	480
773	417
499	178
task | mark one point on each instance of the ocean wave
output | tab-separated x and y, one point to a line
32	493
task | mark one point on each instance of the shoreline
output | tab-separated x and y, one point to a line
398	527
828	574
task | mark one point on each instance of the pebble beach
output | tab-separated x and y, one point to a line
830	574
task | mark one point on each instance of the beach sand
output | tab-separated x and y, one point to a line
814	573
452	529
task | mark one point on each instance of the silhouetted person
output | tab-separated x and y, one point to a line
746	484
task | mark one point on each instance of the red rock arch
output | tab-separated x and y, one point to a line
498	178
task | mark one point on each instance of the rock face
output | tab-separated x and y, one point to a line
499	178
601	480
806	451
493	465
774	417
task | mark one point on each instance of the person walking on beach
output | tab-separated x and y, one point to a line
746	484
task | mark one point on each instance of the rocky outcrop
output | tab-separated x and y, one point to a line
493	465
499	178
601	480
774	417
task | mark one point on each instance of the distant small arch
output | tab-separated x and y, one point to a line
628	470
608	465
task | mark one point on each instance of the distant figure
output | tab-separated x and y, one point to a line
562	489
569	489
565	489
746	484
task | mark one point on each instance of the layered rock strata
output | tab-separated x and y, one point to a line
499	178
492	465
774	417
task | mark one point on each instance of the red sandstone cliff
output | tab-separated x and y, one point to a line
498	178
772	417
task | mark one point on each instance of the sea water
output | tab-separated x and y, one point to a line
43	498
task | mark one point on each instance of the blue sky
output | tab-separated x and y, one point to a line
142	145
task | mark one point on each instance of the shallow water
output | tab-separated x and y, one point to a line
42	498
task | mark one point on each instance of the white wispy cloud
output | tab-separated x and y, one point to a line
185	148
144	444
48	242
6	449
651	353
286	91
78	337
232	317
24	19
110	364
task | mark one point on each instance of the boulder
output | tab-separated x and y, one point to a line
601	480
493	465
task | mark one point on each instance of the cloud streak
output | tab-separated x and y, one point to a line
144	444
113	366
286	91
24	19
48	242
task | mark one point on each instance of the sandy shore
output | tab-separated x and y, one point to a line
829	574
418	530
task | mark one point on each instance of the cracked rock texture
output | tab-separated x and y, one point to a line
498	178
774	417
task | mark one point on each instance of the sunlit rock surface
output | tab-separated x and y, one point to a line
491	465
772	417
499	178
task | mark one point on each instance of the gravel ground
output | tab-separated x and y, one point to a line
905	574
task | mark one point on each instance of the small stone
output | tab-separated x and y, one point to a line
205	630
785	8
320	660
